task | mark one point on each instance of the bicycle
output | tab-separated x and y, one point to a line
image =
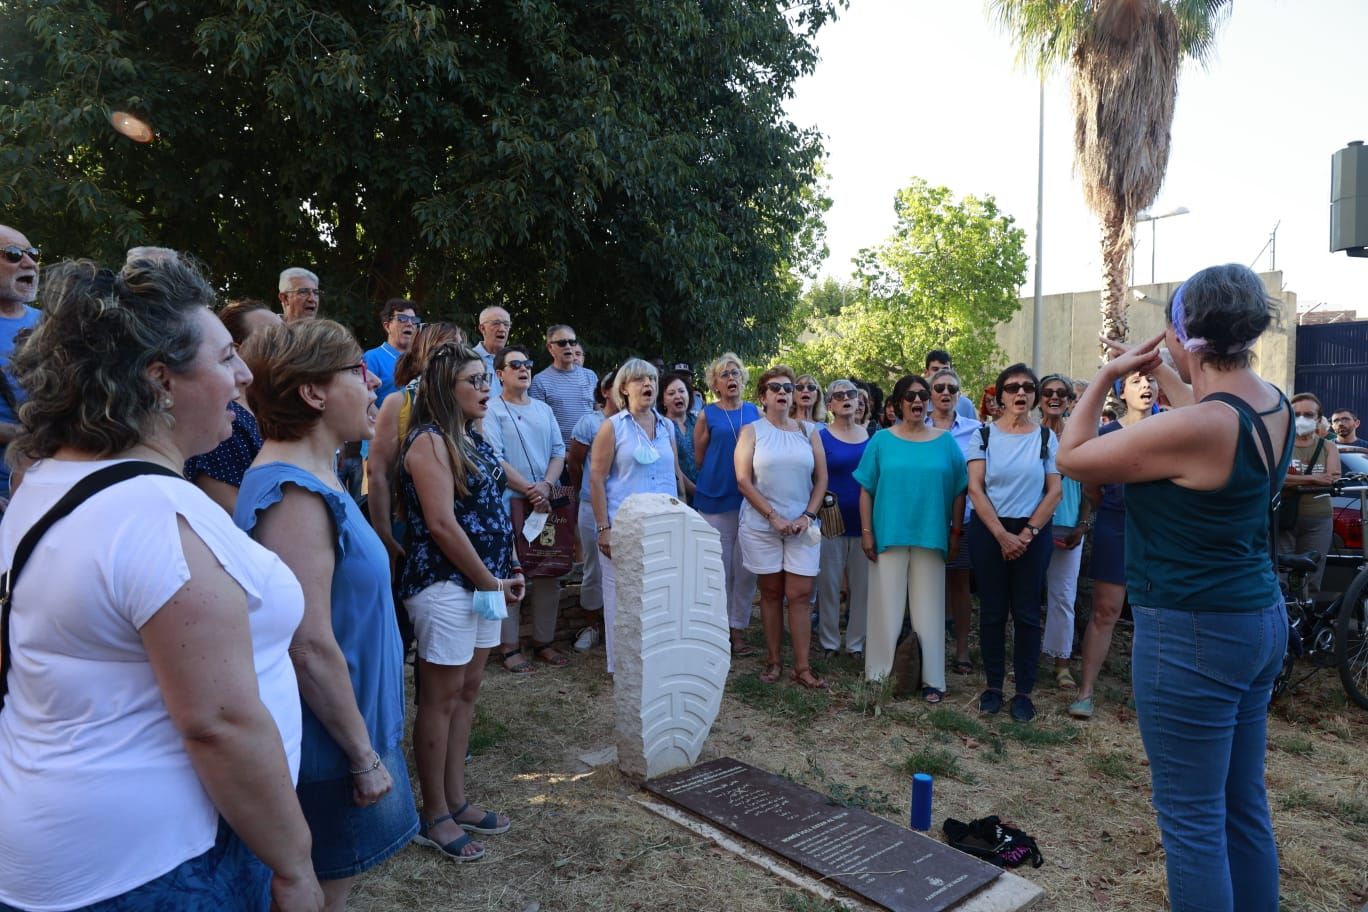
1337	635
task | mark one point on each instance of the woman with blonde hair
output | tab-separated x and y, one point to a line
781	472
716	496
633	453
311	393
808	406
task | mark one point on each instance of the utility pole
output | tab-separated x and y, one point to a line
1039	239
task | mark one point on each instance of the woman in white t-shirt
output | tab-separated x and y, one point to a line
151	730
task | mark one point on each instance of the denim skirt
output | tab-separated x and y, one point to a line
348	839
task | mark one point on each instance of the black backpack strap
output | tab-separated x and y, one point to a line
983	437
80	492
1044	444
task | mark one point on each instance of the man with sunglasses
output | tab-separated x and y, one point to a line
400	320
566	386
300	296
939	359
495	326
18	289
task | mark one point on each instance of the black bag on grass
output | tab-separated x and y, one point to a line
992	840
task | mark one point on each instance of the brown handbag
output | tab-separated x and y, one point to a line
833	523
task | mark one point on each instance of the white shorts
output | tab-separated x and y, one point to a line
446	627
766	551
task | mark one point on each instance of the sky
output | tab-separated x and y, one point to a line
930	88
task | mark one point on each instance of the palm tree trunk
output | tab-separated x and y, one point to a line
1117	239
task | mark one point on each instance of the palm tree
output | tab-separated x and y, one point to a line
1124	57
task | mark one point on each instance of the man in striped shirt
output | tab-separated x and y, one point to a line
565	386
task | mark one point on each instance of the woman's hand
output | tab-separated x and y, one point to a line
1074	538
778	523
538	495
953	549
370	786
868	547
396	550
514	588
605	543
1012	545
296	894
799	525
1143	358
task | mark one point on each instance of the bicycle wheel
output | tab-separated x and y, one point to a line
1351	640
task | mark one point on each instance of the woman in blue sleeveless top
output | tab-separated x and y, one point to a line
1210	624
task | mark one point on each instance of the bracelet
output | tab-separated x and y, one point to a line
810	515
870	531
603	528
370	769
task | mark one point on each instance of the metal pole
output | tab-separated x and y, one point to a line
1153	247
1039	239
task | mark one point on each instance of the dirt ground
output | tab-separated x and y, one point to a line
580	842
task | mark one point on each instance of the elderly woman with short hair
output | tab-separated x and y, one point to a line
781	473
843	441
716	496
633	453
312	393
151	733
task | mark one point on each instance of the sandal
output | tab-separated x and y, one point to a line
771	673
962	667
740	649
806	678
488	825
452	849
932	695
555	659
520	667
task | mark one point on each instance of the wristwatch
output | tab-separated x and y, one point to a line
1034	530
811	516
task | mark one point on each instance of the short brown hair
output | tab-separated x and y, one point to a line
1310	397
234	315
282	359
779	370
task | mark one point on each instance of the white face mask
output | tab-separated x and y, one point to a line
1306	426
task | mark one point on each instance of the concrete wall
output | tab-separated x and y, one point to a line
1071	322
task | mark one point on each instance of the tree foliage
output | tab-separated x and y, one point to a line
623	165
945	278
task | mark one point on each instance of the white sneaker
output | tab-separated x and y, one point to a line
588	638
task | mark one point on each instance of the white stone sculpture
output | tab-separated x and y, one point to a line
671	643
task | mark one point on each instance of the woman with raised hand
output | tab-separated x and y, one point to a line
843	443
461	575
807	402
717	498
1210	624
151	701
1015	488
676	397
781	473
912	480
1107	567
311	393
945	415
633	453
1070	523
524	433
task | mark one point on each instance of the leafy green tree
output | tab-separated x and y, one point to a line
1124	57
623	166
945	278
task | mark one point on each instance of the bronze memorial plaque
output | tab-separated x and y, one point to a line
888	864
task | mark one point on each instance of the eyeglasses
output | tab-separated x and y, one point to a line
305	292
923	394
358	370
805	387
479	381
1018	387
411	319
564	343
504	323
730	373
1057	393
843	395
775	387
15	254
518	363
944	388
1343	419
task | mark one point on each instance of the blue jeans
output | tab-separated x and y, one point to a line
1202	681
1015	586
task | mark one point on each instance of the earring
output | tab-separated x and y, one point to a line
167	403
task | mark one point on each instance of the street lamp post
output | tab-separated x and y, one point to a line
1152	218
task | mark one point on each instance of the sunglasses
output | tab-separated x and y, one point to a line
805	387
922	394
518	363
1018	387
1057	393
775	387
411	319
565	343
358	369
843	395
945	388
16	254
479	381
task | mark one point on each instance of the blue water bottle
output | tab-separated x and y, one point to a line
921	801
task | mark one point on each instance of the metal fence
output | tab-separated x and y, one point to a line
1332	362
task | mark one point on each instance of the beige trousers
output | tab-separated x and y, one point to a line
904	579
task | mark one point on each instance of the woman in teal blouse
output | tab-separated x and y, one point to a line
912	483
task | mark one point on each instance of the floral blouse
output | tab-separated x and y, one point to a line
481	515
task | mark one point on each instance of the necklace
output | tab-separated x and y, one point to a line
726	415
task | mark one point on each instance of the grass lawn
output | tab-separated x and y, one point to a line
1081	789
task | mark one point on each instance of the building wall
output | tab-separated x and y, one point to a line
1072	321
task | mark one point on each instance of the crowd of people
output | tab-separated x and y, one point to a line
215	669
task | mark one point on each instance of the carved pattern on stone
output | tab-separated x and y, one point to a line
671	642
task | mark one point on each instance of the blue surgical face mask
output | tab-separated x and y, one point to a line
645	454
490	605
